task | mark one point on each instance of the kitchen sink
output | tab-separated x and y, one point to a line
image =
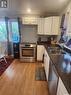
55	50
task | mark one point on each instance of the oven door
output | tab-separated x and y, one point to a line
28	52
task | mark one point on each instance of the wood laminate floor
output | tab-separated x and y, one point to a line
19	79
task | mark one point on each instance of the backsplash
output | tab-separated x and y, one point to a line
44	38
29	33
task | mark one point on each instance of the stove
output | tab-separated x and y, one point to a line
28	52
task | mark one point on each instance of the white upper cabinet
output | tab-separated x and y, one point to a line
55	25
52	25
47	26
41	26
30	20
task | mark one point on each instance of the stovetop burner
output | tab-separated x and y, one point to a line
26	44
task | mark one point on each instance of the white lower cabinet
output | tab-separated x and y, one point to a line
61	88
40	52
46	63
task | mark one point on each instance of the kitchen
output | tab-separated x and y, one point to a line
38	37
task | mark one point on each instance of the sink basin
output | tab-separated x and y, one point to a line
55	50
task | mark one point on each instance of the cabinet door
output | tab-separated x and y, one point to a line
47	26
55	26
46	64
40	52
29	20
61	88
41	26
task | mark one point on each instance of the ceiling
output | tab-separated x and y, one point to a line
38	7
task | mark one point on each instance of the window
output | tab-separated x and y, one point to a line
15	32
3	31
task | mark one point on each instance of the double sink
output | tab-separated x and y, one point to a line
65	59
55	50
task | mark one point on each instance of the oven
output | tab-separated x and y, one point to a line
28	52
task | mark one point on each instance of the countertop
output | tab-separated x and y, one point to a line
62	63
42	42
